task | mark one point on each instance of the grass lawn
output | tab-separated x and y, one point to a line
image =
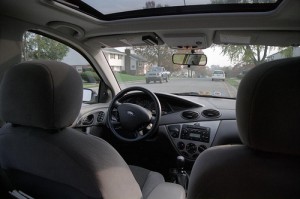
90	85
128	78
233	82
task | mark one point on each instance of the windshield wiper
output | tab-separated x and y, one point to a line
199	95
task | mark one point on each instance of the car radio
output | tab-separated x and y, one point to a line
197	133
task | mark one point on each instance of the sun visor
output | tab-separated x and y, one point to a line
269	38
123	40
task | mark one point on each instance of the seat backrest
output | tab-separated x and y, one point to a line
40	153
268	164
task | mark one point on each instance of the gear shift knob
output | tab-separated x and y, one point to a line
180	162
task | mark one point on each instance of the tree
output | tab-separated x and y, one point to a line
253	54
152	4
90	77
250	54
160	55
287	52
39	47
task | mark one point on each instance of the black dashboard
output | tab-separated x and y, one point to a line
191	124
168	103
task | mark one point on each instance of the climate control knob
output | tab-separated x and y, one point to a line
191	148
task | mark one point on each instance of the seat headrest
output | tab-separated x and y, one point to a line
43	94
268	107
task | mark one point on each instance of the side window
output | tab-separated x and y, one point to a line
39	47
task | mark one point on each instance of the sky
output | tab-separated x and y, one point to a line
215	57
74	58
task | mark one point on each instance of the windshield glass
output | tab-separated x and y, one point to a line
151	67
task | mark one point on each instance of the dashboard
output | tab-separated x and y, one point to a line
191	124
168	104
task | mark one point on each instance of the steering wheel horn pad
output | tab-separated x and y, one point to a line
133	116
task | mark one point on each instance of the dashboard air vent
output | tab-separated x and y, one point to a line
190	115
88	120
211	113
100	117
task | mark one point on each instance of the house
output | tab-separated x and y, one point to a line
135	64
115	58
119	61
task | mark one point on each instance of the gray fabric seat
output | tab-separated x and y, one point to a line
146	179
268	164
45	158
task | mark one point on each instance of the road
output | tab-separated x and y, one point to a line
202	86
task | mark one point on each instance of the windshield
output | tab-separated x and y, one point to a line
151	67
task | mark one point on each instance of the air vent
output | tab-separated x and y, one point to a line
190	115
100	117
211	113
88	120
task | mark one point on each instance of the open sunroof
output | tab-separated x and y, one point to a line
121	9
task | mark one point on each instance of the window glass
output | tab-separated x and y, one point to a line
106	7
39	47
151	67
218	72
122	9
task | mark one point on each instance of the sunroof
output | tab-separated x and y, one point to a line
117	6
122	9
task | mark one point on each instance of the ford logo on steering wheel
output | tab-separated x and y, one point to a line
130	113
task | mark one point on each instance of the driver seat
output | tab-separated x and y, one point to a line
44	157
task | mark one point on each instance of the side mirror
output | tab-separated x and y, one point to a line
87	95
189	59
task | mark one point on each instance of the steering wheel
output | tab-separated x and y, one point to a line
130	122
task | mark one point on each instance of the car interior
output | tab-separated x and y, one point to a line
80	120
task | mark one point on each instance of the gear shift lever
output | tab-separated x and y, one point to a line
182	176
180	163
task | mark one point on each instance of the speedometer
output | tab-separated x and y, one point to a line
144	103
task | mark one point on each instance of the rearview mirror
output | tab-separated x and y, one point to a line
190	59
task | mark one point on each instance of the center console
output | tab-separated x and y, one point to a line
190	139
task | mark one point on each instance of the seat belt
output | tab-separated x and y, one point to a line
12	191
